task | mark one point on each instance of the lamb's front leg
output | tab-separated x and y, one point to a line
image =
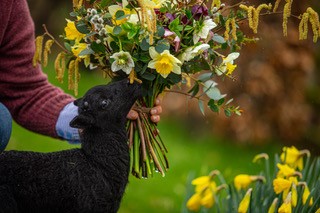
7	202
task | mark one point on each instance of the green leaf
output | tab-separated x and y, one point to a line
201	107
148	76
194	90
119	14
67	46
227	112
86	51
213	106
117	30
82	27
144	45
160	31
220	102
104	3
188	14
131	34
73	14
162	47
98	47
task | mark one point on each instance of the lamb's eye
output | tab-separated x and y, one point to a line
85	104
104	103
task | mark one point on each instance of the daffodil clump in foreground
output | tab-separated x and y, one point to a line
292	186
160	44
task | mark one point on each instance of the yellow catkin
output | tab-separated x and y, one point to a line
80	3
216	3
38	51
75	3
234	29
71	68
254	13
303	26
148	17
226	33
46	51
286	15
314	21
59	66
76	76
257	14
276	5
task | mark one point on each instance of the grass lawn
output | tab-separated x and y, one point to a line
188	154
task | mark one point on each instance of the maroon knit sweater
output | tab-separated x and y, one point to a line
33	102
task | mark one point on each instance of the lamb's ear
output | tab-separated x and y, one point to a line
76	102
81	122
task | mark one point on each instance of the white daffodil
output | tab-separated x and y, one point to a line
212	91
192	52
133	16
164	63
122	61
202	29
227	66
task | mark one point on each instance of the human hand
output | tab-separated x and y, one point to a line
63	129
154	112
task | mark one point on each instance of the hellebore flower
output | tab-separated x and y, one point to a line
113	9
202	29
192	52
164	63
199	11
123	61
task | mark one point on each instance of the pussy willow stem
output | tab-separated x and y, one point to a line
55	41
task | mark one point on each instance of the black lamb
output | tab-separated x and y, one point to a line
90	179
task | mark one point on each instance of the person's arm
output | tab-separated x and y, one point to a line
33	102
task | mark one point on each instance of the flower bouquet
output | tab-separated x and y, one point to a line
158	43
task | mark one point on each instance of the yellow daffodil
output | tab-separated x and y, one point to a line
122	61
286	206
207	198
227	67
294	195
242	181
284	170
164	63
194	202
244	204
273	206
78	48
281	184
204	192
72	33
305	195
293	157
204	182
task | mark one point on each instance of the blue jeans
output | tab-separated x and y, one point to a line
5	126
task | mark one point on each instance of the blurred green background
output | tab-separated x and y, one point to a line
278	90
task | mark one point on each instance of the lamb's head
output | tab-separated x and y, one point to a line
106	105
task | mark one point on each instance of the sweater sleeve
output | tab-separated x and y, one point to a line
33	102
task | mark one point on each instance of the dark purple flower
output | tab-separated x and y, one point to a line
199	11
170	16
